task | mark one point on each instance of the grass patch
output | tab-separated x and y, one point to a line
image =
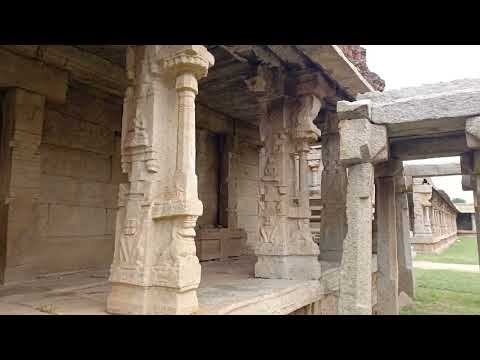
463	251
444	292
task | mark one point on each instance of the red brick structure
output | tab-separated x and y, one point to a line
358	56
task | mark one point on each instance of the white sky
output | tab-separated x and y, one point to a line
414	65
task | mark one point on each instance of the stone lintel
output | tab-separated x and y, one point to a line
432	170
32	75
426	109
337	66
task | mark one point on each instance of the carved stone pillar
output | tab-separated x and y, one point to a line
286	249
155	269
334	190
362	144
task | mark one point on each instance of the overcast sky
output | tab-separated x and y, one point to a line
413	65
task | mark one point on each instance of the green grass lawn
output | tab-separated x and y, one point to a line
463	251
444	292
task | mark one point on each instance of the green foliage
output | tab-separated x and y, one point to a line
459	201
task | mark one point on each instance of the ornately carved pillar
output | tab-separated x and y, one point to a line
362	144
155	268
286	249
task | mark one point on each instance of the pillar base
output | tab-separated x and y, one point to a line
406	283
126	299
288	267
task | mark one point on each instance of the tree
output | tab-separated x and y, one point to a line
458	201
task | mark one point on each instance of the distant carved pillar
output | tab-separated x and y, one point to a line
155	268
406	278
387	284
334	190
286	249
21	223
362	144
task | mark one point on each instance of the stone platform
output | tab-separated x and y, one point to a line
435	246
227	288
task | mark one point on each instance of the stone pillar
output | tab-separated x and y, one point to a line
22	128
155	269
470	165
387	284
362	144
286	249
406	278
476	202
334	190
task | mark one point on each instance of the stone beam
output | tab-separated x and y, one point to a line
332	60
32	75
432	170
424	148
84	67
427	109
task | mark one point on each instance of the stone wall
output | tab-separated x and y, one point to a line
247	193
228	174
208	172
79	175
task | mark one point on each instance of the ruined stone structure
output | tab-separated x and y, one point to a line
178	179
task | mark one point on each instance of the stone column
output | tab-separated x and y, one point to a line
22	128
155	269
470	165
406	278
334	190
286	249
387	284
362	144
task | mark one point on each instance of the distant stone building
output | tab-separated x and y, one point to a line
433	217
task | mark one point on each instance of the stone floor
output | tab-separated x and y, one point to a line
228	287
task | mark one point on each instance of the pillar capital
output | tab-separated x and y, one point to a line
360	140
183	59
305	130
